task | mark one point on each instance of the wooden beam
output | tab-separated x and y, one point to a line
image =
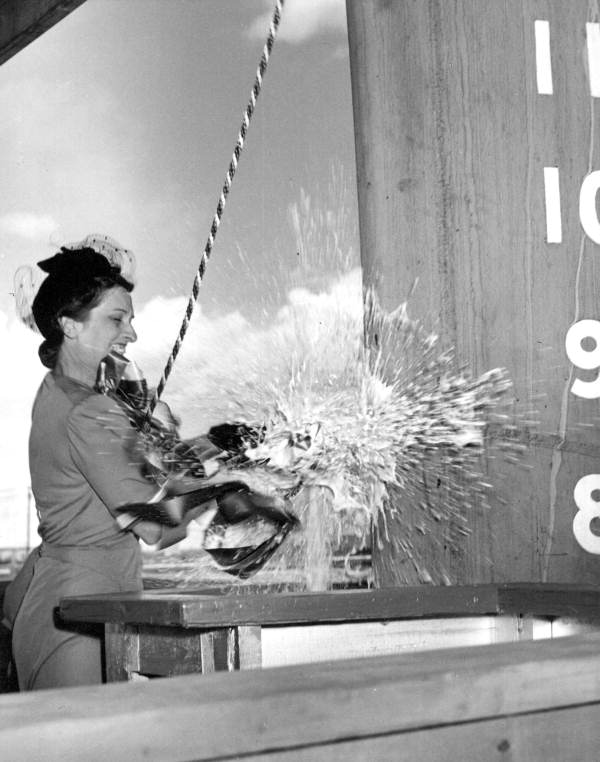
22	21
553	736
569	601
187	608
357	703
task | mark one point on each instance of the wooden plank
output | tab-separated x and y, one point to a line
554	736
168	651
216	649
203	716
188	609
207	652
122	649
249	648
325	642
568	600
143	608
22	21
343	605
507	629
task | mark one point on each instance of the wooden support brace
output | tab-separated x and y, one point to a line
249	648
122	649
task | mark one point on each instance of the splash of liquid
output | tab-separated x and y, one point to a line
353	429
346	425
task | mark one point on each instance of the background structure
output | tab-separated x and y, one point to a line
459	107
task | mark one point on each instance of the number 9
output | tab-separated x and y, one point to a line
589	509
584	358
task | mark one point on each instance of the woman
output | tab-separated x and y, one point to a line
86	464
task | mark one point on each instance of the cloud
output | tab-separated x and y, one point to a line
303	19
28	225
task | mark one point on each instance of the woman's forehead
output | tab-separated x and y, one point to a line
116	298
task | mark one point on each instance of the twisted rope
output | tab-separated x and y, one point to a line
262	67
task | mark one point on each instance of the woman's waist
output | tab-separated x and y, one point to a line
62	570
100	556
79	532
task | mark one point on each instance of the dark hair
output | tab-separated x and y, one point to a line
77	280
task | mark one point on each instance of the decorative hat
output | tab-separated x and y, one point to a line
117	255
74	263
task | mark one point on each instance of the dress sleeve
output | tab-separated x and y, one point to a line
106	450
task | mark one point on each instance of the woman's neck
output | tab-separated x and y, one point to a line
75	369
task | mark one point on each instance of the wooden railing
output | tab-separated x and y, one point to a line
528	701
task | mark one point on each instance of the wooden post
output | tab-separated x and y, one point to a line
122	649
475	144
249	647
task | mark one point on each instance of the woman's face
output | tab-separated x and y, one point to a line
108	326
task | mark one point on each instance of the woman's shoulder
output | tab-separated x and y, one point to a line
64	405
82	399
57	396
73	391
82	409
97	406
98	415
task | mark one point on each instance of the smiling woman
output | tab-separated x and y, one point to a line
80	309
82	468
88	469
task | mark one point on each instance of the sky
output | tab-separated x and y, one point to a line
122	120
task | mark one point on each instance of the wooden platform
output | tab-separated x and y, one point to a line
524	702
165	633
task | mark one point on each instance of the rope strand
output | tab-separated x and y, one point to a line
262	67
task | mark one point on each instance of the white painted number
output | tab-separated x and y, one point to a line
543	61
586	359
543	57
589	509
552	200
587	206
588	214
593	47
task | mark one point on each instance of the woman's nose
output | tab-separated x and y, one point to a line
130	334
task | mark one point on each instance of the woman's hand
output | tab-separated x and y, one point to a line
159	536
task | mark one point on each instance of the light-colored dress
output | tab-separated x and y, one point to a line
85	462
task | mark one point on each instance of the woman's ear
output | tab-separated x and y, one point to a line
69	326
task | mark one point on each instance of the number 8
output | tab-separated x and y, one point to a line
584	358
589	509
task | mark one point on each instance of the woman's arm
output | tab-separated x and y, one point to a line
159	536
